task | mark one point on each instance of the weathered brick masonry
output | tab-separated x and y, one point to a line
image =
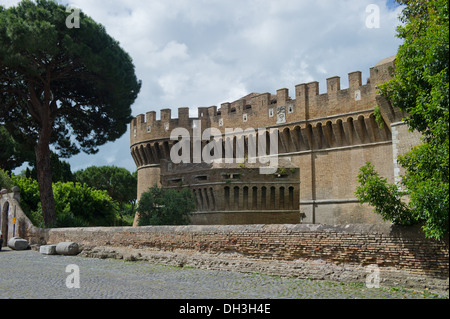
401	248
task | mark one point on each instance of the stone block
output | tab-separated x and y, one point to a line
18	243
67	248
48	249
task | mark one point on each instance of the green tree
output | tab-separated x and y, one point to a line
160	206
13	154
420	87
421	81
71	88
118	182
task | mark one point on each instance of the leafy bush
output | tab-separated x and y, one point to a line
159	206
29	193
386	198
427	195
80	205
427	181
76	205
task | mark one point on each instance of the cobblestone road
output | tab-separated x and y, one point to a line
29	274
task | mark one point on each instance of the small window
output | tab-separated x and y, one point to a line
270	112
290	109
220	122
149	128
176	181
202	178
244	118
233	110
135	132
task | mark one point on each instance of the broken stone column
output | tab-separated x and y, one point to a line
18	243
48	249
67	248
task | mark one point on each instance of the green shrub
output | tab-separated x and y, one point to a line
159	206
76	205
385	197
29	194
83	205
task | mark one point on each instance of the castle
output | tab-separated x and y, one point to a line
319	142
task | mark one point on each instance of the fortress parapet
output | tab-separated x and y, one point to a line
268	110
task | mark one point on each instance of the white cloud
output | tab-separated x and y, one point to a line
173	84
173	52
9	3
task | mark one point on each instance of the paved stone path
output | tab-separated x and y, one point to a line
29	274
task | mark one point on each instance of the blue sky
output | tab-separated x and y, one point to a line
192	53
392	4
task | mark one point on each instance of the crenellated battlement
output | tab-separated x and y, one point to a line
258	110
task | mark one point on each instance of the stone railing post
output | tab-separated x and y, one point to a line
16	193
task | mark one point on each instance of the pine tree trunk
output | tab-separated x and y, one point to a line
44	177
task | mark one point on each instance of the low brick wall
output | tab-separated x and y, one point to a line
404	248
341	253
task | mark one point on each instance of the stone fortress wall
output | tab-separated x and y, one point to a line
327	137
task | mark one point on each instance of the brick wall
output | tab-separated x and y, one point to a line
403	248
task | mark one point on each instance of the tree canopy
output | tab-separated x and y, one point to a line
421	80
71	88
13	154
118	182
